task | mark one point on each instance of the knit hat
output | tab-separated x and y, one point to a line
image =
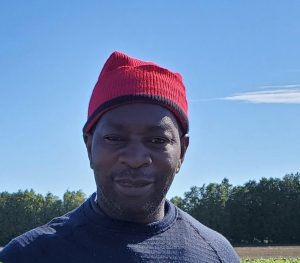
125	80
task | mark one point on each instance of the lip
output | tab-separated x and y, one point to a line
132	183
132	187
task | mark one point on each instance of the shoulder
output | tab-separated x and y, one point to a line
215	240
34	243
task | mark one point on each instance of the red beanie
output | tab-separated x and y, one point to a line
126	80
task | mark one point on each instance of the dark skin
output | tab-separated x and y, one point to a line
135	151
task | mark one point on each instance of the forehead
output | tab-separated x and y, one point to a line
139	115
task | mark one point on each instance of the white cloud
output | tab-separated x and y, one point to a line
291	86
289	94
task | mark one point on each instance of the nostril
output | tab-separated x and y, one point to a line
148	161
137	163
136	160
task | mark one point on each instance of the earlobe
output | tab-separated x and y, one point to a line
184	142
87	137
178	166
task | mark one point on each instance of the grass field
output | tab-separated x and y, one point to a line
271	260
271	254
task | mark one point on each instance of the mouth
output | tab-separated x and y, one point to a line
132	187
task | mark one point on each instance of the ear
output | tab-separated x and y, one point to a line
184	143
88	138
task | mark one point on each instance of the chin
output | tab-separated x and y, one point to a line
141	206
133	209
140	214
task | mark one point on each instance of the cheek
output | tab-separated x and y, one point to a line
172	157
167	164
100	155
103	163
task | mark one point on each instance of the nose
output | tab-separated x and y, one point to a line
135	155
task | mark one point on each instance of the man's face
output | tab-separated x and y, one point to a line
135	151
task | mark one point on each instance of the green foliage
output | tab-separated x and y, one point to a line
71	200
282	260
25	210
178	201
267	211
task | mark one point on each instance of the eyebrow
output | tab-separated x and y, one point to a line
151	128
114	125
155	128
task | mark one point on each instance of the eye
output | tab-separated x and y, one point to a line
113	138
158	140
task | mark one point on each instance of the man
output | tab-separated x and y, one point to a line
136	137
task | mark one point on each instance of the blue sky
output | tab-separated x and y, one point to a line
241	66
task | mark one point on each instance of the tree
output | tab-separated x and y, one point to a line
178	201
25	210
72	199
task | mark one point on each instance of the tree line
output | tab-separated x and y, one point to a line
24	210
264	212
267	211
